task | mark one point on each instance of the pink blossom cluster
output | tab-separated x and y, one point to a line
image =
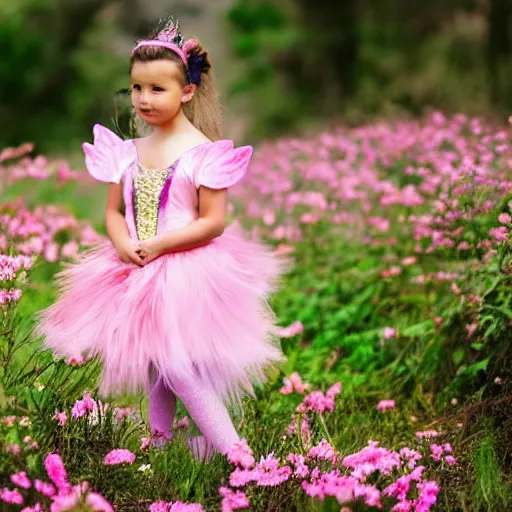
38	168
372	460
13	270
347	180
61	494
119	456
317	402
385	404
177	506
35	233
294	383
231	500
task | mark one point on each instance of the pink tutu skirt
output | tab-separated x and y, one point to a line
201	312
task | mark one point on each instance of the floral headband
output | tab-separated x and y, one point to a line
167	35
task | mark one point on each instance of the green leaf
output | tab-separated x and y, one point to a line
476	367
418	329
458	356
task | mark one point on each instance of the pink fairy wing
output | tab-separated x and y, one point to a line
223	165
108	157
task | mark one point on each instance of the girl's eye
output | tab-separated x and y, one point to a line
157	89
136	87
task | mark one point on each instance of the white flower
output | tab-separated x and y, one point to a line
144	468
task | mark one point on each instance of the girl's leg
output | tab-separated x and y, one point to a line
162	408
209	414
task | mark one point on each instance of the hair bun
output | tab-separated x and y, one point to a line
197	58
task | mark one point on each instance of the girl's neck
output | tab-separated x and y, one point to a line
177	125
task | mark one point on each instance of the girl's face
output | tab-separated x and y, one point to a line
157	91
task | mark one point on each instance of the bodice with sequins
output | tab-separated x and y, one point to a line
148	185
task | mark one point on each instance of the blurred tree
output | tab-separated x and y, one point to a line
307	60
39	40
499	51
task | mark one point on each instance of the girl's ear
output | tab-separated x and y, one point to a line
188	92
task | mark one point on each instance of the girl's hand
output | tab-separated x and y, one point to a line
126	251
149	249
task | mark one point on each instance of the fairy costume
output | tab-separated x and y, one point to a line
201	312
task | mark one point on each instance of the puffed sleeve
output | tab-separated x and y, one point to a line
223	165
107	158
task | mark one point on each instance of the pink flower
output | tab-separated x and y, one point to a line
159	506
268	473
471	328
385	404
499	234
293	383
504	218
455	289
14	497
241	455
389	333
450	460
81	407
233	500
428	495
370	459
65	500
427	434
299	461
333	391
61	417
412	456
391	272
317	402
36	508
145	443
498	381
323	451
179	506
437	451
283	249
56	471
403	506
51	252
119	456
44	488
75	360
122	412
9	421
70	249
379	223
13	448
290	331
409	260
25	421
370	493
21	480
98	502
241	477
183	423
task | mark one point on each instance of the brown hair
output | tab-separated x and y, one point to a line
204	110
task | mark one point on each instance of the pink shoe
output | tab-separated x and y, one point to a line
200	448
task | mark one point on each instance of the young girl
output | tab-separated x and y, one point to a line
175	302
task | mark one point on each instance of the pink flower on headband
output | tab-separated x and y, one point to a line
190	44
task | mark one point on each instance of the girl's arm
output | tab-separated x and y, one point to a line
117	229
210	224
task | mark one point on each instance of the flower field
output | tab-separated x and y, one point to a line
396	320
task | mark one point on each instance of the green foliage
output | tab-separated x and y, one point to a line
490	490
298	66
56	75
